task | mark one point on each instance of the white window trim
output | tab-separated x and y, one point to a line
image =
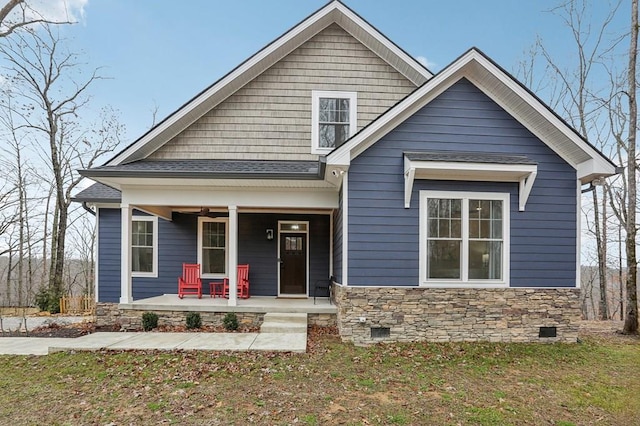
316	95
201	221
154	272
465	196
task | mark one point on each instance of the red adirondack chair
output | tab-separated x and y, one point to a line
190	282
243	282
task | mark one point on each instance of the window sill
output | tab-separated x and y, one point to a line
144	275
469	284
214	276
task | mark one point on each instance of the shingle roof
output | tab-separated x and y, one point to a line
235	169
98	193
468	157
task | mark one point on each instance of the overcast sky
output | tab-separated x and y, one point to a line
160	53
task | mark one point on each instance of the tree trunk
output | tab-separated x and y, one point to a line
603	312
631	317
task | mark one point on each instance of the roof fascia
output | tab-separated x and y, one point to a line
601	162
463	67
333	12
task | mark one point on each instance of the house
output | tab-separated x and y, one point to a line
445	207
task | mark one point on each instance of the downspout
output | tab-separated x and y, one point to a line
87	208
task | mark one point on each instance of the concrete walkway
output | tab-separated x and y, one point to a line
279	342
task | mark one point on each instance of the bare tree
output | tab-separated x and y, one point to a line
631	314
575	91
53	93
16	14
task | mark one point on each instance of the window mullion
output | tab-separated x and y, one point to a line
464	274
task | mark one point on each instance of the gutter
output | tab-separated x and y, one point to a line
87	208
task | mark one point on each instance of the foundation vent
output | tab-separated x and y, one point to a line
547	332
380	332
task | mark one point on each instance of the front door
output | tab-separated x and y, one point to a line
293	263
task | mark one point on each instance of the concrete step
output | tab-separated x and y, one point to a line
284	323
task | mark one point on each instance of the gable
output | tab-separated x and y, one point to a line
506	92
466	124
209	98
270	117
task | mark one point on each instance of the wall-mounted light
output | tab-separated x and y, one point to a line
269	234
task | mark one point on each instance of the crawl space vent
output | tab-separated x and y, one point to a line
380	332
547	332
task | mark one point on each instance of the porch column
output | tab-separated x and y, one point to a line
233	256
125	254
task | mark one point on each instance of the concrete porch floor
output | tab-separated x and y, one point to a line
255	304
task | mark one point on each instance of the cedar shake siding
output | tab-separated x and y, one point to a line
383	235
270	118
177	240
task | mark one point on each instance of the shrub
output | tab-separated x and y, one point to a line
194	320
47	300
149	321
42	299
230	321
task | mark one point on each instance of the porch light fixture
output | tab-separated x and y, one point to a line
269	234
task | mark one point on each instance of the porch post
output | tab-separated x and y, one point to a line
125	254
233	256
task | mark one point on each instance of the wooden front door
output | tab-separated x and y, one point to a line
293	263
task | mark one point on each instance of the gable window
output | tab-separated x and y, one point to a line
212	246
144	246
333	119
464	238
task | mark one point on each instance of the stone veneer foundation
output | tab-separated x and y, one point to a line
409	314
108	314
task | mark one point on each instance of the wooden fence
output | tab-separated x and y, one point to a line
77	305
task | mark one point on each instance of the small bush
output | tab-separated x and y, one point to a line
149	321
42	299
230	321
47	300
194	320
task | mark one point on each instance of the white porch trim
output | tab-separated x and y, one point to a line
206	196
125	254
233	255
345	229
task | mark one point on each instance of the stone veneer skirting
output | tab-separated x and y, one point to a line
410	314
108	314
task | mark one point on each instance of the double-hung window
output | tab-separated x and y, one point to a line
333	119
464	238
144	246
212	246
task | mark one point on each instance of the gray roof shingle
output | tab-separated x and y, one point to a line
98	193
469	157
237	169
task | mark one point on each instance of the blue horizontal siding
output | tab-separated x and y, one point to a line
177	244
109	255
383	235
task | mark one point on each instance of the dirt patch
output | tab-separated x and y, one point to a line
610	331
81	329
56	330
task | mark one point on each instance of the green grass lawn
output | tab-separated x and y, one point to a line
594	382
